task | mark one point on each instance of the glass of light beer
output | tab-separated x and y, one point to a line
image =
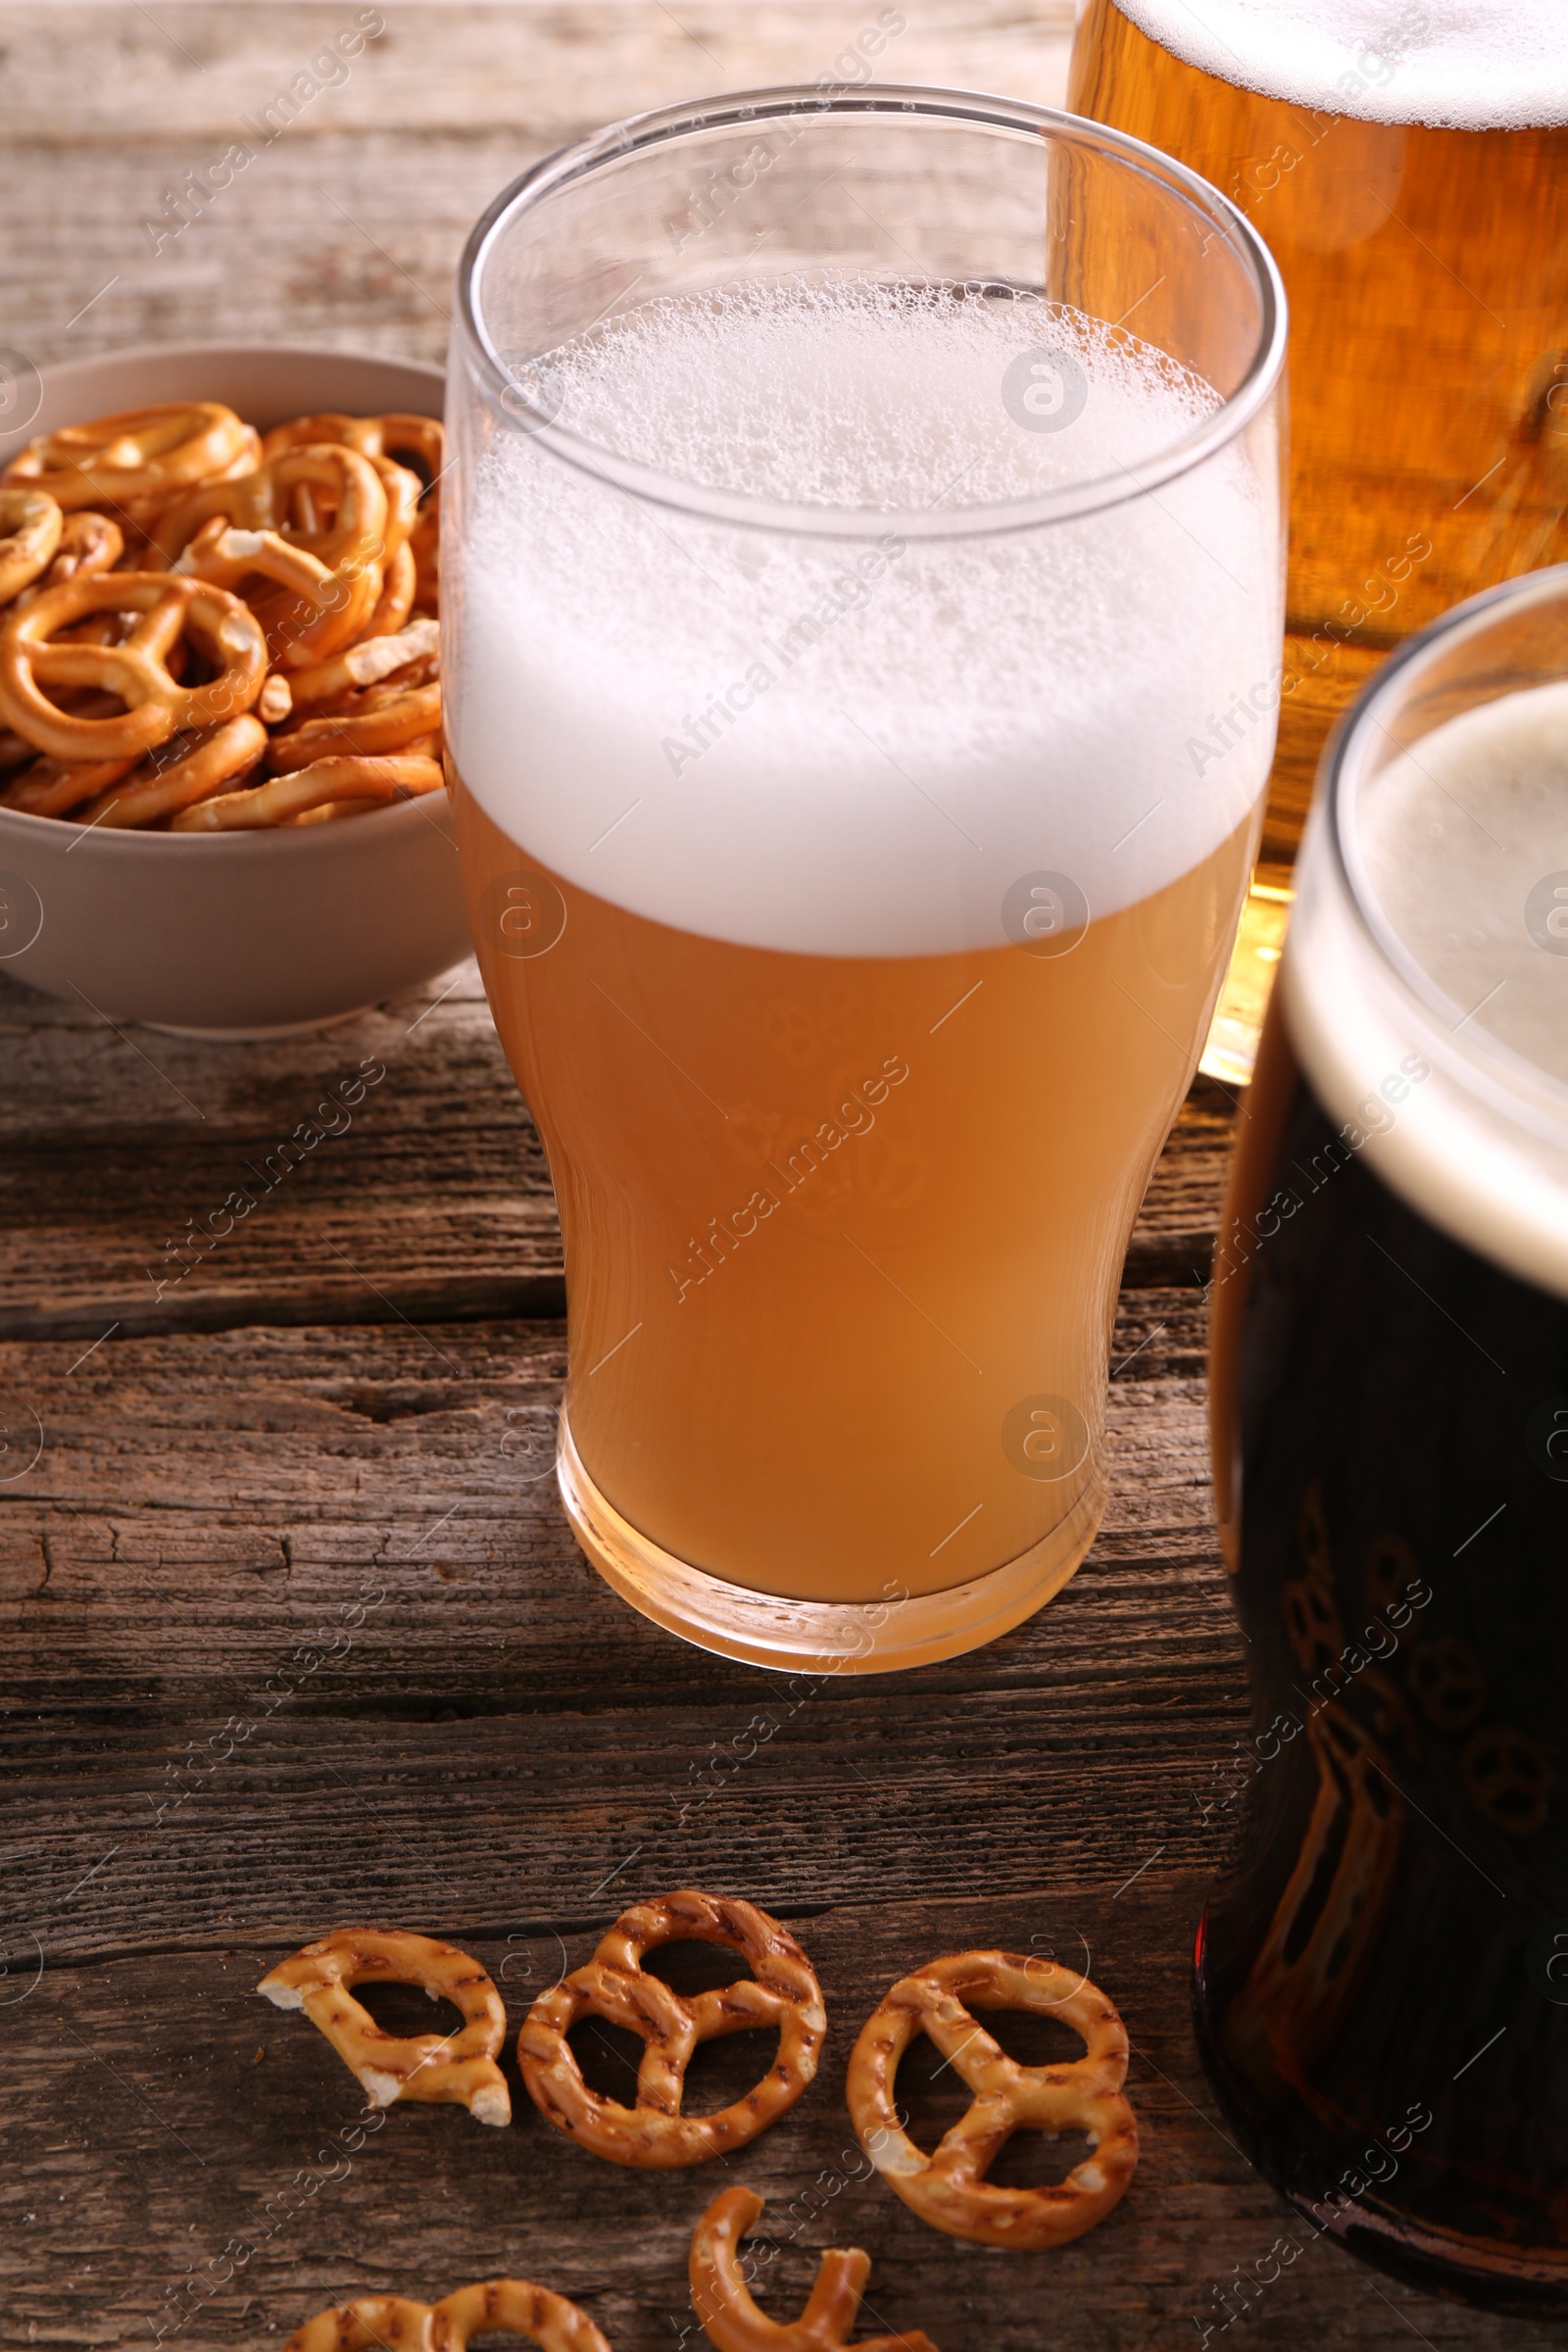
1382	1993
1405	164
858	500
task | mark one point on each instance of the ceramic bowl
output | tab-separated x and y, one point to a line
231	934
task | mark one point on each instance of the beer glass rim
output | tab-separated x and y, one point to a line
661	125
1515	1085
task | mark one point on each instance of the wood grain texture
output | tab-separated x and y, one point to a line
346	229
205	1510
500	1753
215	2180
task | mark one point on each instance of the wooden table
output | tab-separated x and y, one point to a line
312	1430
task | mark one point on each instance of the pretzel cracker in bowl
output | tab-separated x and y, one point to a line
165	571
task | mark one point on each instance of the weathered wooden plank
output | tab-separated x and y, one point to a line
347	228
203	69
252	1478
431	1199
157	1183
183	2157
279	1615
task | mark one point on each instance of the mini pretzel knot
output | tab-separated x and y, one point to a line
949	2188
784	1992
137	454
294	799
30	524
511	2307
367	2324
301	481
89	542
36	651
732	2319
500	2306
400	437
457	2066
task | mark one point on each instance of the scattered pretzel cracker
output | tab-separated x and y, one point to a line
782	1992
730	2317
457	2067
276	699
949	2190
136	455
495	2307
58	787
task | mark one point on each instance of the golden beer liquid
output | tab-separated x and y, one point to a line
830	1220
1426	272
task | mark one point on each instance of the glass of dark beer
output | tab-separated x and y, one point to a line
1382	1979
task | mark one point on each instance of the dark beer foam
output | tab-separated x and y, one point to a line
1462	844
1427	983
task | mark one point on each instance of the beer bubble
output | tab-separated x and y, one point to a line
1045	1437
1044	913
522	913
1546	913
21	390
534	396
1546	1962
20	915
1045	390
1546	1438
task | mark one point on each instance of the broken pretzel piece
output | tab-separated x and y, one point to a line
459	2068
732	2319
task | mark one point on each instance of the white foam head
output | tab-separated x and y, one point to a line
1471	65
1443	1042
857	745
1460	840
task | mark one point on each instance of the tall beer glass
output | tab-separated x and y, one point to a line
1407	166
834	587
1382	1989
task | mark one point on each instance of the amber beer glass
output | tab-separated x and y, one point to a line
831	600
1381	1981
1407	169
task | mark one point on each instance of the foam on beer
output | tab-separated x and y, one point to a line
1456	836
857	745
1458	849
1467	64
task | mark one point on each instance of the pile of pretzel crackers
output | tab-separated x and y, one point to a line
203	630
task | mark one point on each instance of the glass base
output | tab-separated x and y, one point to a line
818	1636
1309	2162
